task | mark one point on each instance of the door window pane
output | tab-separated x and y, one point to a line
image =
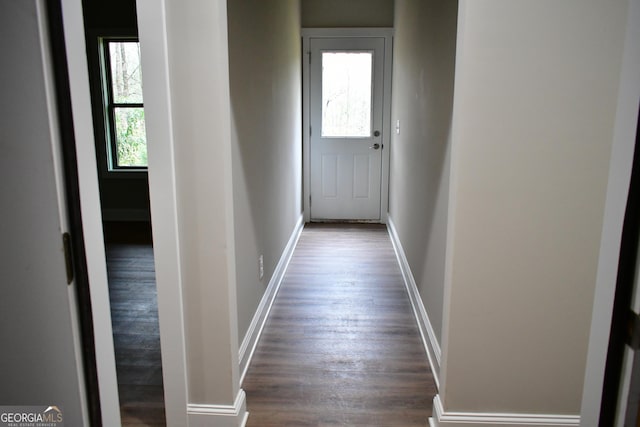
346	94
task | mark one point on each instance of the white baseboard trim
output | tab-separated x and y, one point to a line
431	344
134	215
441	418
219	415
252	336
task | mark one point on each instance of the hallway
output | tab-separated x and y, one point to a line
341	345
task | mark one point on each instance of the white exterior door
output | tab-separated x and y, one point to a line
346	124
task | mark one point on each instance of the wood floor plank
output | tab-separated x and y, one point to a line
136	334
341	346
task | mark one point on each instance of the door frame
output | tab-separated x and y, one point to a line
387	35
620	355
622	150
91	217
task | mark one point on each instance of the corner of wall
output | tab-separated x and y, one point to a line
252	336
235	415
427	333
443	418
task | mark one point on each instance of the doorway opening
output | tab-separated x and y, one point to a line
113	56
346	97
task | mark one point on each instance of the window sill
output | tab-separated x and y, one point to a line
126	174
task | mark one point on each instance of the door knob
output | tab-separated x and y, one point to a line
375	146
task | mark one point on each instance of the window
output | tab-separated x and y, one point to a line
346	94
124	112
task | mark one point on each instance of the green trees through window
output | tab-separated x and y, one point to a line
124	109
131	140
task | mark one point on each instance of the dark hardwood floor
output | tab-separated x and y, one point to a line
134	315
341	346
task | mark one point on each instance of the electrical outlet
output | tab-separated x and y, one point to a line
261	267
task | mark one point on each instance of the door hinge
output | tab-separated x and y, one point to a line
633	330
309	200
68	256
309	53
310	131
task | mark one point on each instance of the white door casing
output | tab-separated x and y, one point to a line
617	193
91	211
346	167
627	409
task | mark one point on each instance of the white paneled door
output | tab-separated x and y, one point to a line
346	119
41	359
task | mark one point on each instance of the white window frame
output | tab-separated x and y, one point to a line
109	106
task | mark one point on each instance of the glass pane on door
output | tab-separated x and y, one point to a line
346	94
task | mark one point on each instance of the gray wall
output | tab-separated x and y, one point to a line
347	13
265	74
533	125
190	186
225	179
424	62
